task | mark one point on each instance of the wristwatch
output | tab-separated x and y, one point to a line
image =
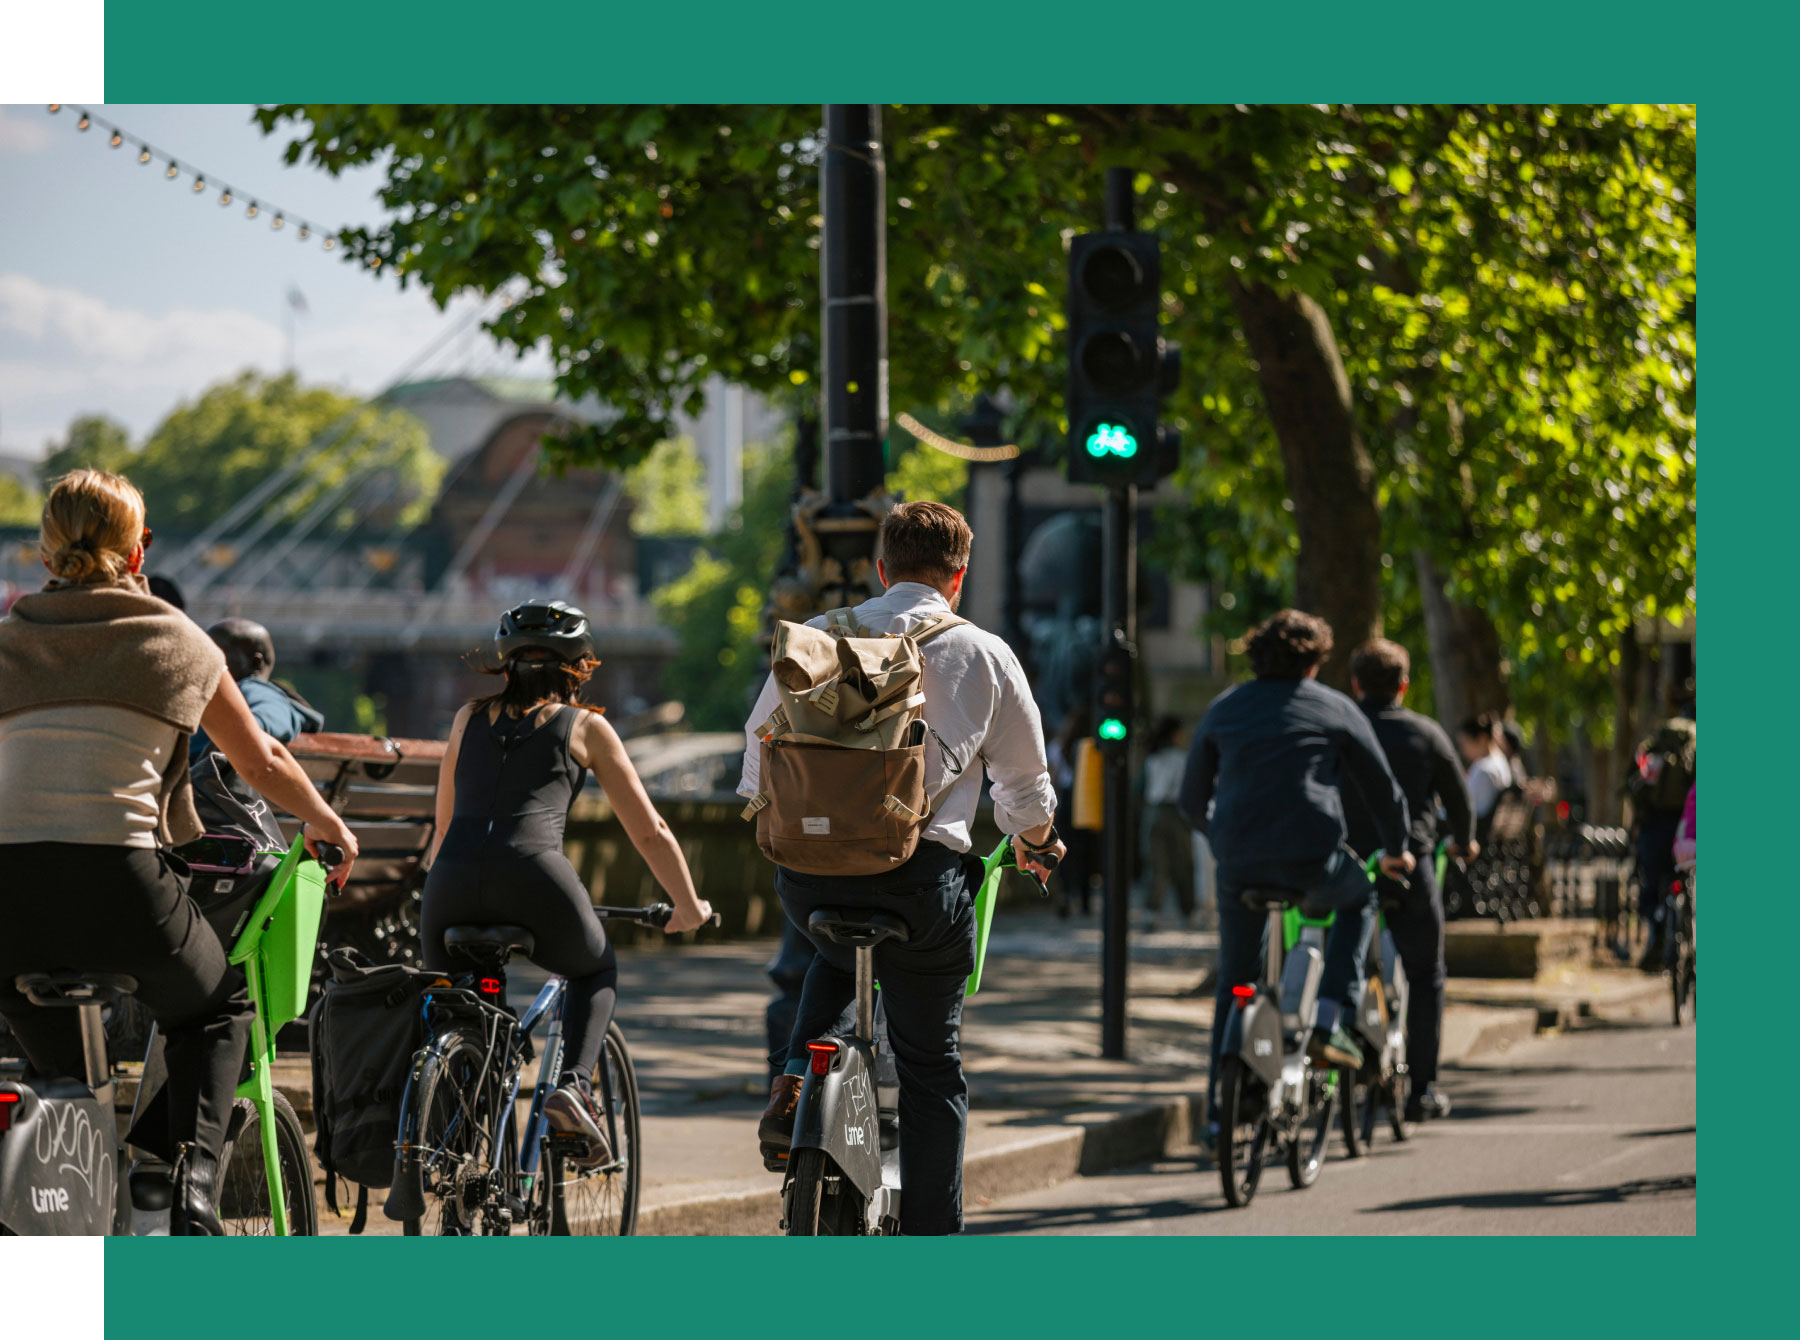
1048	842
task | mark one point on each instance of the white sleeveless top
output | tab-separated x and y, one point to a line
82	773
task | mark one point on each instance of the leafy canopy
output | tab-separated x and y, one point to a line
1511	290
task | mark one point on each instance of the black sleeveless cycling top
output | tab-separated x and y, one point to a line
515	784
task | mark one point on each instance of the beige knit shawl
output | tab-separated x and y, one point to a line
115	644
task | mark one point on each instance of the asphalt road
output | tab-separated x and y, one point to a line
1589	1132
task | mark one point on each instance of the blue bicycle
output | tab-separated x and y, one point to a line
463	1167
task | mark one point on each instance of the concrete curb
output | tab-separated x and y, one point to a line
1039	1157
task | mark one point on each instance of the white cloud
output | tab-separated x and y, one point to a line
21	132
63	352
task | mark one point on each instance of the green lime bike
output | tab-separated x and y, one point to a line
60	1155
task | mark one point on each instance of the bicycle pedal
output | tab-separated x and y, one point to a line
774	1158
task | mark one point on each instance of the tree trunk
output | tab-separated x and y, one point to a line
1330	478
1466	676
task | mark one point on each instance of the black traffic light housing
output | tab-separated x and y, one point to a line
1119	367
1113	705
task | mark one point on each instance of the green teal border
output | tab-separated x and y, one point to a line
977	50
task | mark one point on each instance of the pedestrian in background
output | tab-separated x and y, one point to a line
1489	774
1076	874
1170	839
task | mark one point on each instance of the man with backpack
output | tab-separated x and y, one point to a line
863	770
1658	787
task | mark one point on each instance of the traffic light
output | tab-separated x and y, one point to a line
1119	367
1113	712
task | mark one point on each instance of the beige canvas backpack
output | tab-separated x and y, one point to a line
843	757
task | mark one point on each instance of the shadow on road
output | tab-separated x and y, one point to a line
1089	1217
1549	1200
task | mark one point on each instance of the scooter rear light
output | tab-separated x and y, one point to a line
1243	993
9	1104
822	1052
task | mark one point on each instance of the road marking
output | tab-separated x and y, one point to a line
1476	1127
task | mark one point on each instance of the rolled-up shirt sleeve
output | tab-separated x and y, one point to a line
1013	752
751	781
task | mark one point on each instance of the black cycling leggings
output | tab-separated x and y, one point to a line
543	894
68	907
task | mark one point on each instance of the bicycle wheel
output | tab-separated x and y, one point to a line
452	1138
806	1195
1243	1132
1306	1150
1398	1092
244	1203
1359	1105
1682	978
601	1200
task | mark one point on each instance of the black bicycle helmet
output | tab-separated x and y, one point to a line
548	625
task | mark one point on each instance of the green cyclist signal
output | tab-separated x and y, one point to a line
1113	439
1112	729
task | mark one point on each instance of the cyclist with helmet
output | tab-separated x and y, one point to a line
250	657
509	776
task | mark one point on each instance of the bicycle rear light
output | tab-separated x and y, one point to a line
1243	993
9	1104
490	986
822	1052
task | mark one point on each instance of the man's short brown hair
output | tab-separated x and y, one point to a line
1379	668
924	541
1288	644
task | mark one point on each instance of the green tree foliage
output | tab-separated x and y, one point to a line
716	608
1463	330
925	474
206	455
19	505
668	490
95	442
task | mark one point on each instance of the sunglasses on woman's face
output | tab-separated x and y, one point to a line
146	537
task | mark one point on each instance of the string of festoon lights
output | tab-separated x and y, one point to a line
255	207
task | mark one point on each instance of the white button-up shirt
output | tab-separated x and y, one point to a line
979	708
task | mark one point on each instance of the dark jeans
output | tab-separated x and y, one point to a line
1656	869
1417	925
788	971
922	985
69	907
1337	885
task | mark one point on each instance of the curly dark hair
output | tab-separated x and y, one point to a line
1288	644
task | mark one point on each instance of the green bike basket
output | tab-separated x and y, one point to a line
288	945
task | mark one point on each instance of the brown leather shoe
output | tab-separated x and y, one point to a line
776	1130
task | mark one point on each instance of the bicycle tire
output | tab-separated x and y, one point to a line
1240	1161
1399	1092
1306	1149
806	1194
243	1190
1682	981
1358	1113
452	1129
575	1201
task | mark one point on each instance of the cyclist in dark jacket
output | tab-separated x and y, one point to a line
250	657
1426	766
1262	783
505	787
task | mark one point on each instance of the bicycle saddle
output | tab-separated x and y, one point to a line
484	944
74	988
1266	897
855	930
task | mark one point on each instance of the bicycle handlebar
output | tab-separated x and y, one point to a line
656	914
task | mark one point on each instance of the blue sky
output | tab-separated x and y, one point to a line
123	292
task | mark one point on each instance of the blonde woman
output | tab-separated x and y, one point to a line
101	684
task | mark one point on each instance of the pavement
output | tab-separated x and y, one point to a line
1591	1132
1045	1108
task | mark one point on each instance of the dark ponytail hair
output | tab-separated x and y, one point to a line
531	683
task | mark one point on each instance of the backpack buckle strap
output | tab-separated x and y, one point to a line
825	698
839	623
869	722
777	724
895	805
758	803
928	628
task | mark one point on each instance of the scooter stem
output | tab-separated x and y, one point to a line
865	993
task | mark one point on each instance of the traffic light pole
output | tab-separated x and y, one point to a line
1119	616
